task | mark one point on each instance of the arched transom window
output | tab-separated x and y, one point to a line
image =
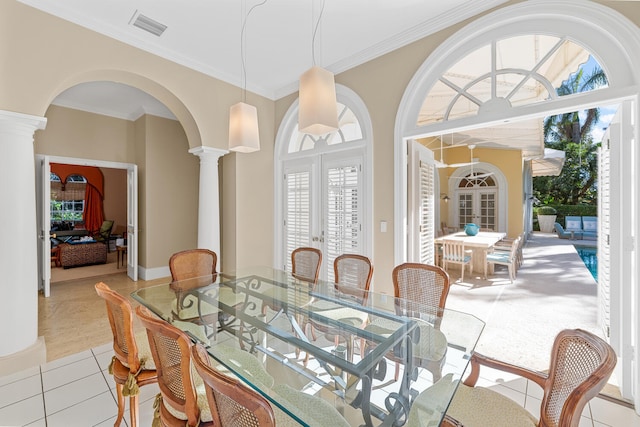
505	73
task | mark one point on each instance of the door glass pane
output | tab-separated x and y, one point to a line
488	211
465	208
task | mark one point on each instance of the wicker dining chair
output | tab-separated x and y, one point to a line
182	400
232	403
305	266
352	278
581	363
132	365
191	269
421	292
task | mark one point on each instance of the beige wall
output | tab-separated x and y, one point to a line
115	197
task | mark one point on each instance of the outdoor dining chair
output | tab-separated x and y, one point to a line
453	252
509	259
132	365
581	363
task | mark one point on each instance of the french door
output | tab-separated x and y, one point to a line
323	206
479	207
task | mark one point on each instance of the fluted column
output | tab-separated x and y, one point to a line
209	198
19	253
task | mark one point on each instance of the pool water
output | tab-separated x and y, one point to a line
589	256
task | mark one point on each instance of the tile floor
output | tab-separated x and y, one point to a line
77	391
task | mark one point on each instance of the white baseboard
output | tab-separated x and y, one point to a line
153	273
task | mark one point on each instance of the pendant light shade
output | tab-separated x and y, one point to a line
318	112
243	128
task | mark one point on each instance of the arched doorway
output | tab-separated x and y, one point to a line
323	186
612	40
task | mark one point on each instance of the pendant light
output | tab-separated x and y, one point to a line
244	136
318	109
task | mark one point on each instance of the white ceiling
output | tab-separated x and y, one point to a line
205	36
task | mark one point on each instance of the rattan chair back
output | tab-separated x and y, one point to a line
232	403
581	364
305	264
353	275
420	289
192	263
171	350
128	369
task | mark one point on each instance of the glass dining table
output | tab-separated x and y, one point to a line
331	346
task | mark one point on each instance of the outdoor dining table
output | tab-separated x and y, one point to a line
230	311
480	245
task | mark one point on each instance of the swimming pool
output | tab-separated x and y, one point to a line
589	256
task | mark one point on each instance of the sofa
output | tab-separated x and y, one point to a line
82	253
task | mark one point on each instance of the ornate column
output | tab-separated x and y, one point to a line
19	255
209	198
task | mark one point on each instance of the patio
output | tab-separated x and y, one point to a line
554	290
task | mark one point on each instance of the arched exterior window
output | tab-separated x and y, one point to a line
323	186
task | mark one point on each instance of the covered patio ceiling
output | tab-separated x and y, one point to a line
501	76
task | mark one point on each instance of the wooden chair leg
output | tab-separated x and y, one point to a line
120	405
133	410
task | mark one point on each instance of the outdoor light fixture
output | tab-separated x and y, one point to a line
318	109
244	136
445	197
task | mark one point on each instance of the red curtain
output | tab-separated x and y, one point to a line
93	214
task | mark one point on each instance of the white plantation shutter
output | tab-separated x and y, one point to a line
343	213
421	202
297	223
426	231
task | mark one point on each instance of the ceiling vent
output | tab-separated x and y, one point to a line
145	23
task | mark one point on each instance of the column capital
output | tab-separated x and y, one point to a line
208	152
20	123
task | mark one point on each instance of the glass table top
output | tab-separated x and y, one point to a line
299	343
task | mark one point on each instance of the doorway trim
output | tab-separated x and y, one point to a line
44	270
614	42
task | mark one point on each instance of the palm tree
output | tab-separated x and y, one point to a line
571	133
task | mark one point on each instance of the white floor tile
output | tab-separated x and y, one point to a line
78	391
17	376
20	390
66	360
40	423
104	359
69	372
612	414
89	412
23	412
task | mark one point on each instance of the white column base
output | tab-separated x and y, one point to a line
30	357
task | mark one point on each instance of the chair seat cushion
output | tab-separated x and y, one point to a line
482	407
432	403
201	396
432	345
243	362
316	411
144	351
502	257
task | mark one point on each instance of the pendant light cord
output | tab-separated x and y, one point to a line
315	31
242	53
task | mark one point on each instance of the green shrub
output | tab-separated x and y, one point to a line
546	210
